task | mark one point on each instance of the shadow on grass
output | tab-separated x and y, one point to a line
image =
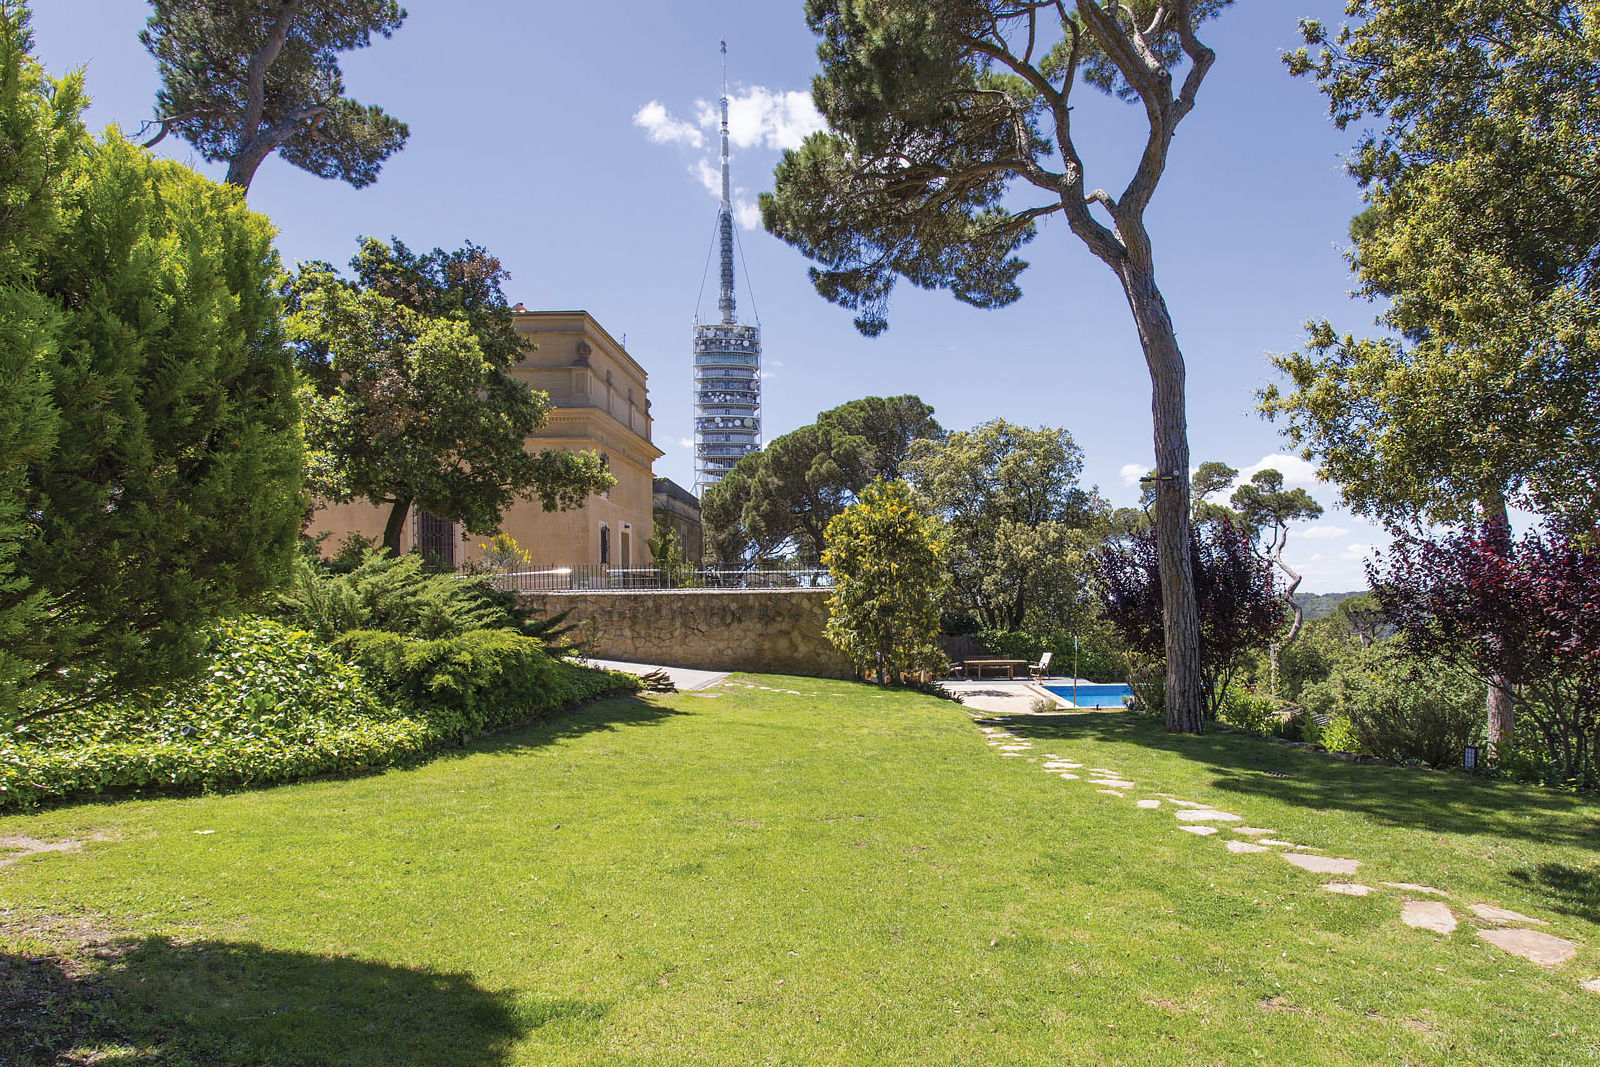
155	1001
606	714
1395	796
1571	890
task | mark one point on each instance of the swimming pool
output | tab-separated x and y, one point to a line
1094	696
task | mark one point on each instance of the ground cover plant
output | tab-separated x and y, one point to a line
274	704
798	871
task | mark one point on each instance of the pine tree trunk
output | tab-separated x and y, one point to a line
395	525
1181	630
1501	713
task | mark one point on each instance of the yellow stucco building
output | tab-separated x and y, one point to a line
599	402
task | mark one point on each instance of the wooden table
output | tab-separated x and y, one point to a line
1010	665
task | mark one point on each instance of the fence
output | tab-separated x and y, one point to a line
592	576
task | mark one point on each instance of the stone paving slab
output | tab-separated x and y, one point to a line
1253	831
1427	915
1491	914
1200	830
1592	985
1349	889
1242	847
1149	803
1069	776
1113	783
1320	864
1535	946
1206	815
1112	793
1412	887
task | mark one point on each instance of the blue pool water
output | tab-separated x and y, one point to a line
1094	696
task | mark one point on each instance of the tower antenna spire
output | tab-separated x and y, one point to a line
727	356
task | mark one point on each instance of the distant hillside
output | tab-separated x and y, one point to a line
1321	605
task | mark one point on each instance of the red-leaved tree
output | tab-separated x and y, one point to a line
1240	605
1528	612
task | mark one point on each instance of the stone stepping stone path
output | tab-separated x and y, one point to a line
1320	864
1507	929
1535	946
1427	915
1502	916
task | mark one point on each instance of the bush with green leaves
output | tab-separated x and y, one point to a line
1247	711
1398	706
274	704
270	704
1101	654
389	593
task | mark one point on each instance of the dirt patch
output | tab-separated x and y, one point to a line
1277	1004
14	847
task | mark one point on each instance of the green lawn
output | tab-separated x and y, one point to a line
832	876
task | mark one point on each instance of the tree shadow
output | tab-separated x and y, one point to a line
603	715
149	1001
1570	890
1392	796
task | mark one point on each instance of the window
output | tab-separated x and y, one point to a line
605	543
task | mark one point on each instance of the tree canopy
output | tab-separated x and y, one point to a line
243	79
951	136
885	559
1020	528
410	400
1481	242
780	499
150	474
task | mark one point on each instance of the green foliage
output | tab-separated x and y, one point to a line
472	682
1396	706
1020	528
41	140
240	81
159	475
1101	654
1480	244
780	499
410	399
1244	710
887	563
270	704
389	593
273	704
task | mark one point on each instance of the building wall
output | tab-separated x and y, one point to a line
599	401
772	631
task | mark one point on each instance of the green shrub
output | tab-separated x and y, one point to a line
1101	655
473	682
1337	736
387	593
274	704
270	704
1398	707
1244	710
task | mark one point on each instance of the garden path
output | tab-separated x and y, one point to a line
1505	929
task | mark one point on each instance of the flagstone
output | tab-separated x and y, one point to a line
1280	844
1206	815
1113	783
1245	846
1427	915
1149	803
1201	830
1535	946
1592	985
1349	889
1412	887
1492	914
1111	792
1069	776
1253	830
1320	864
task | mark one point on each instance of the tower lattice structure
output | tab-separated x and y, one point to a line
727	359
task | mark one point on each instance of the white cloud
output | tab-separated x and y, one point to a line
1132	472
761	116
1356	550
1320	533
661	128
685	442
746	214
708	176
1296	471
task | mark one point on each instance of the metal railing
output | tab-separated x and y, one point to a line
593	576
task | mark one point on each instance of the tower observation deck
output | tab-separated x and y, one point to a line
727	359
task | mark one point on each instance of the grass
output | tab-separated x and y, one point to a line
809	873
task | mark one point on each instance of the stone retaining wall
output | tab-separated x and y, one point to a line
775	631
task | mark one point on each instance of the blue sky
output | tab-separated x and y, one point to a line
568	140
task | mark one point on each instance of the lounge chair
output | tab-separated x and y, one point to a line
1042	668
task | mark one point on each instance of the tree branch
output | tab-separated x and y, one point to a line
256	73
167	122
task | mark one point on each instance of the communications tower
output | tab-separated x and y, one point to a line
727	358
